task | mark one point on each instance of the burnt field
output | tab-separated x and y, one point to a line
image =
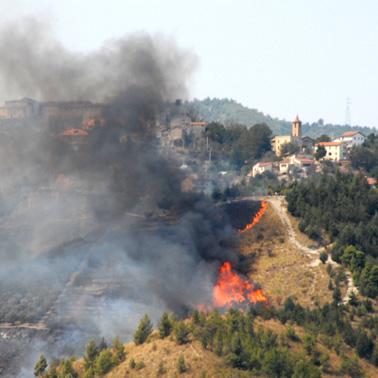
241	213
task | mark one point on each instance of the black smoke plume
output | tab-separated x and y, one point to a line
121	238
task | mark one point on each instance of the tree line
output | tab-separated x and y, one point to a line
341	209
238	144
242	344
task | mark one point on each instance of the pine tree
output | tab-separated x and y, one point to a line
67	369
103	362
119	350
165	326
143	331
40	366
91	352
181	332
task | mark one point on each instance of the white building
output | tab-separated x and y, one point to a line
335	151
260	168
295	161
351	139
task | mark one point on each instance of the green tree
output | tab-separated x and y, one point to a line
67	370
277	364
143	331
165	325
290	334
353	301
320	152
336	295
322	138
304	369
41	366
289	149
91	352
103	362
181	333
309	343
52	372
353	258
119	350
369	280
351	367
364	345
89	373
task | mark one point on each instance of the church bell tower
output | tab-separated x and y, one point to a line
296	128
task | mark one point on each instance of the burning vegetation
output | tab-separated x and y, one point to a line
231	289
256	218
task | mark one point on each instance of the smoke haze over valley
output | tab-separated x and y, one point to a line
93	236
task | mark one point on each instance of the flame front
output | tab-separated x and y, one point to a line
256	218
231	289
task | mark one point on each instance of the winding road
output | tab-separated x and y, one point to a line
279	205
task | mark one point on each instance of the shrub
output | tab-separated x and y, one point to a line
161	369
140	365
290	334
132	364
181	365
323	257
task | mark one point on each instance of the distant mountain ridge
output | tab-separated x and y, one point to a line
229	111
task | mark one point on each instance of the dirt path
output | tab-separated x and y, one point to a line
279	205
37	326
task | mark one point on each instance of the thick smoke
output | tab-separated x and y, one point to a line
105	232
139	68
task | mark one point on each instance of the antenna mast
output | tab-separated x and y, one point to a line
348	119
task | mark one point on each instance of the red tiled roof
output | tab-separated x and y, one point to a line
305	160
75	132
264	164
198	123
349	133
371	180
326	144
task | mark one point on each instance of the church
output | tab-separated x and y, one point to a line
296	137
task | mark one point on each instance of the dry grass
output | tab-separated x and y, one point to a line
203	363
280	268
200	362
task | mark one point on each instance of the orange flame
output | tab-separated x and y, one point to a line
256	218
231	289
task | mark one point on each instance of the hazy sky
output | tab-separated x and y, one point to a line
282	57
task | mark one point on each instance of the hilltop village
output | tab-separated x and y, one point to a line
206	150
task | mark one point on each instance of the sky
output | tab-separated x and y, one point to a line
282	57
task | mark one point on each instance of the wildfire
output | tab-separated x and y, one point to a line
231	289
256	218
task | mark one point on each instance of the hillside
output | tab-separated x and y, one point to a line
304	330
273	349
229	111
